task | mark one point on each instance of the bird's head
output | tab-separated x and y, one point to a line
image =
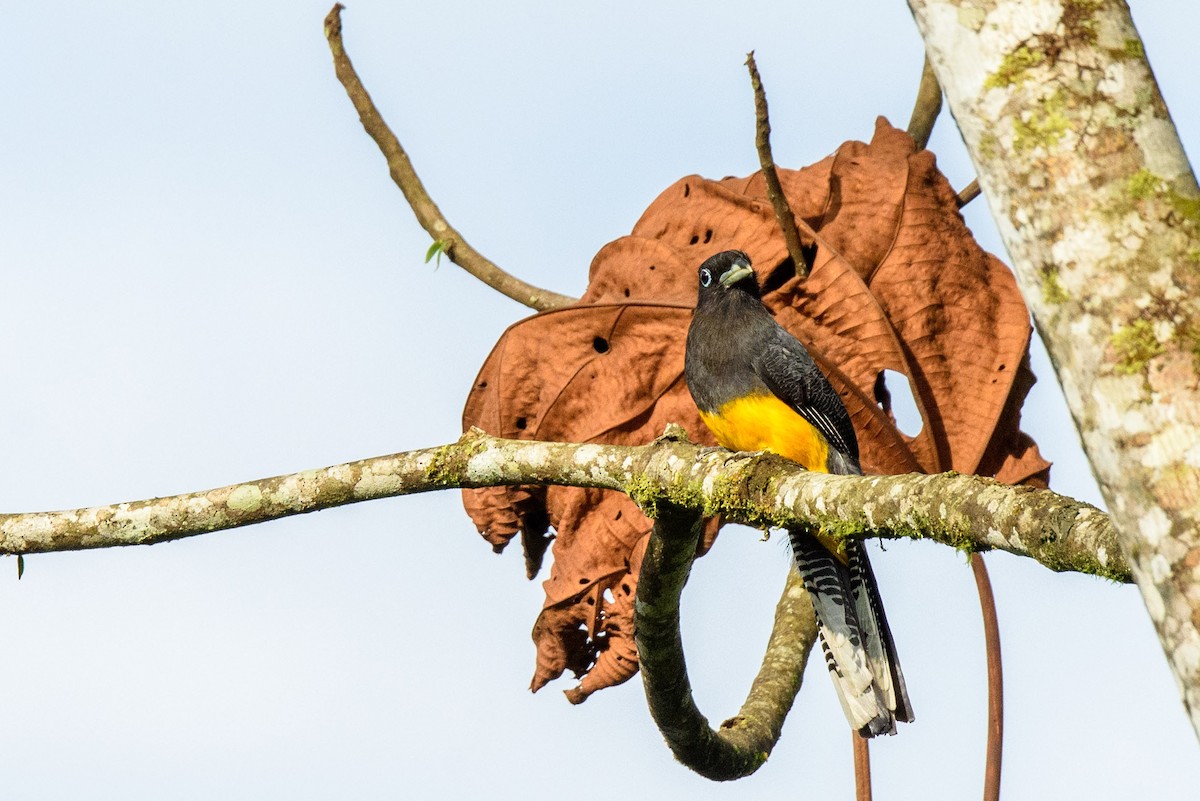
727	271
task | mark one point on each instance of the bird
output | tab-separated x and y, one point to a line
758	389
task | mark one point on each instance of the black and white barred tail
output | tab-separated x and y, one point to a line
855	638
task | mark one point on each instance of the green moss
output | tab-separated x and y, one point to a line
958	536
1190	335
645	493
1052	288
1133	48
1135	345
950	528
989	145
845	529
1045	126
689	495
1186	206
649	496
1082	563
1143	184
441	469
916	527
1014	68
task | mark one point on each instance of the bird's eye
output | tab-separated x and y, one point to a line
705	277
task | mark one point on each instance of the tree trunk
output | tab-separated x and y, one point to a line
1100	212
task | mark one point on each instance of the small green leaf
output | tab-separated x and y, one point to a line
436	249
20	566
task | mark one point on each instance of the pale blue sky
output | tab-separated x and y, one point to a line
209	277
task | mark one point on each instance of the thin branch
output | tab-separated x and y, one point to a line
968	193
742	744
758	489
995	680
862	766
762	140
926	107
453	244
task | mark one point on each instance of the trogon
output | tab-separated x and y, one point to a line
758	389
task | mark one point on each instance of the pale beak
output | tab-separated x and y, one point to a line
737	272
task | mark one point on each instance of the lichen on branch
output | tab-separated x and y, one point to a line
756	489
1099	208
740	745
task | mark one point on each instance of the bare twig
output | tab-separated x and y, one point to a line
926	107
742	744
862	766
758	489
968	193
762	140
451	241
995	680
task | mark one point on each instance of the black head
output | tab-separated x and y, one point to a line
728	271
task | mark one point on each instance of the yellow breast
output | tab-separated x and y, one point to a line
765	423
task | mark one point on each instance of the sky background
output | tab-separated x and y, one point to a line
208	277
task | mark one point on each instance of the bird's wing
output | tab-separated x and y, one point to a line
792	375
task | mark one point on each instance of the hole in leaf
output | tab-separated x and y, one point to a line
894	395
600	344
521	423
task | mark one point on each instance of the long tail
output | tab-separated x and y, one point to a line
858	646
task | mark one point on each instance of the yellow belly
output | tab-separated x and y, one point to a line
765	423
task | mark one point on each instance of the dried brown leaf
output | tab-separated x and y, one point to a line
898	284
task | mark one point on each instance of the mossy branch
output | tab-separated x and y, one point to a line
741	744
757	489
677	483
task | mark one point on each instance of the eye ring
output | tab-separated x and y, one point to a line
705	277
